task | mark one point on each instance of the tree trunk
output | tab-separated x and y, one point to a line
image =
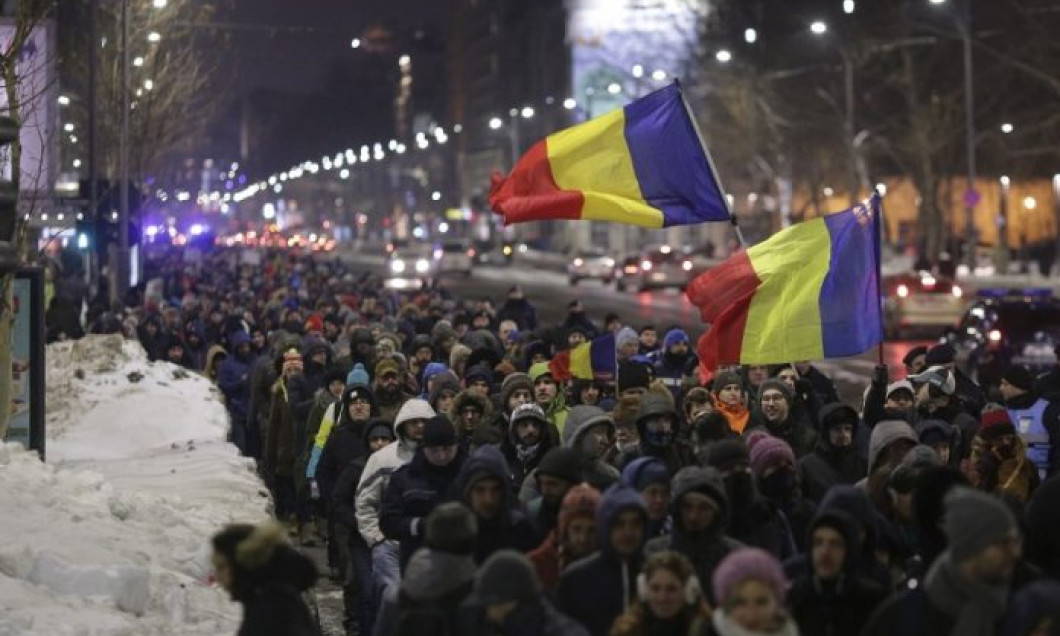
7	316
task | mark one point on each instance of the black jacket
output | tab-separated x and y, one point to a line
510	528
827	465
344	444
272	596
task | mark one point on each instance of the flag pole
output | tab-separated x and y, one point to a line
713	167
876	206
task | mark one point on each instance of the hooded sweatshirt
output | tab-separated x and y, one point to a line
828	465
595	470
510	528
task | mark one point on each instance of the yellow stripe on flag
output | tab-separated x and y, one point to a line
581	364
593	158
784	319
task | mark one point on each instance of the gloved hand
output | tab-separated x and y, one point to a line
879	374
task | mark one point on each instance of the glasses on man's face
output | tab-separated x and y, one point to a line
772	397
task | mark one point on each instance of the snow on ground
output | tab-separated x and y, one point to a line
111	535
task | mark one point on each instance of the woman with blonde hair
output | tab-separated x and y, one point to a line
669	602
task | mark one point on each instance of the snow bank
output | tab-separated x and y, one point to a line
110	537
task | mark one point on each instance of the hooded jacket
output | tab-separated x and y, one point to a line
521	467
510	528
379	468
598	473
707	549
467	398
597	589
675	453
233	378
270	577
549	559
338	411
557	410
828	465
343	497
1043	527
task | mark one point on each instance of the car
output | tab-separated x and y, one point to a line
921	301
653	268
591	263
454	257
1003	327
411	266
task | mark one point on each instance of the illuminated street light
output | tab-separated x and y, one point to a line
1005	181
138	61
1007	128
404	61
159	4
848	6
73	139
750	36
614	88
569	103
495	123
355	43
937	1
344	173
68	127
149	84
638	71
1030	203
818	28
724	56
527	112
436	196
64	100
77	163
658	75
154	36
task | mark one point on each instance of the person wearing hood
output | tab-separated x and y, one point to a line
584	391
730	399
700	511
214	358
431	600
195	345
479	379
471	411
834	459
484	486
387	388
329	394
516	389
966	590
518	309
443	390
267	576
589	432
318	359
263	375
649	477
750	588
775	403
888	444
560	469
1034	610
773	467
281	445
675	362
670	600
430	370
576	319
597	589
657	423
573	538
1043	528
527	441
408	428
833	598
1037	419
549	396
233	378
937	399
353	553
416	488
941	437
153	337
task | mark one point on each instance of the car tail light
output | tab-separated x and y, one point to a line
687	266
630	269
957	291
578	262
903	291
994	335
928	282
471	252
645	265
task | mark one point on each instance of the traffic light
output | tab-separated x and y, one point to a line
8	201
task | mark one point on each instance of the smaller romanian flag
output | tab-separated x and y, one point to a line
643	164
809	292
593	360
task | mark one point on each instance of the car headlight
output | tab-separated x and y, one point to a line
397	266
609	262
422	265
578	262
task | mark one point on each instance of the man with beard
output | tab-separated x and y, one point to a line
833	460
675	363
387	388
549	397
233	378
775	402
362	349
700	508
527	440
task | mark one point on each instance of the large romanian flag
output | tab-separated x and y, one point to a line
643	164
593	360
809	292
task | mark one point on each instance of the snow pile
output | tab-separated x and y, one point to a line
111	536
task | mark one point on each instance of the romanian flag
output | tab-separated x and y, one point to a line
593	360
643	165
809	292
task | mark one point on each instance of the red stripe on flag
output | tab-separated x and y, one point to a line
559	366
530	192
723	296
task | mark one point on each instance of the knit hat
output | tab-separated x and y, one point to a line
539	370
886	433
432	369
580	501
748	564
724	379
711	426
673	337
379	428
385	366
940	354
480	371
938	377
836	414
506	576
995	422
934	432
768	452
528	412
357	375
975	521
913	353
725	454
626	335
632	375
777	385
512	382
1019	376
439	431
645	471
451	527
562	463
314	323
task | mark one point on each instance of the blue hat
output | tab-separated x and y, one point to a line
357	375
673	337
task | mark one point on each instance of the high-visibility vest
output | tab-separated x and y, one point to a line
1030	424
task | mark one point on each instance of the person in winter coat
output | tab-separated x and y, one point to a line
574	538
470	412
834	459
657	423
153	337
730	399
597	589
511	601
559	471
649	477
516	389
936	399
1037	419
262	572
358	602
750	588
941	437
215	357
527	442
700	510
775	401
550	397
444	388
518	309
999	457
233	378
773	467
833	599
484	486
408	428
589	431
1043	528
432	597
675	362
416	488
966	590
280	439
670	600
387	388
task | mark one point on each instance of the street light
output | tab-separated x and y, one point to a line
149	84
355	43
724	56
658	75
495	123
159	4
818	27
138	61
570	103
638	71
527	112
404	61
154	36
614	88
848	6
1007	128
64	100
750	36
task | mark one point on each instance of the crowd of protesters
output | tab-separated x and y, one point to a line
462	488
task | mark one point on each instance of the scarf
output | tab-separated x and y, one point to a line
976	607
737	416
725	626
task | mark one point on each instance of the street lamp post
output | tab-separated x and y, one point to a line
820	29
122	266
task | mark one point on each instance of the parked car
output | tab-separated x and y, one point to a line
652	269
591	263
921	301
409	266
455	257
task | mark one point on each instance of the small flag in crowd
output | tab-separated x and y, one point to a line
809	292
593	360
643	164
